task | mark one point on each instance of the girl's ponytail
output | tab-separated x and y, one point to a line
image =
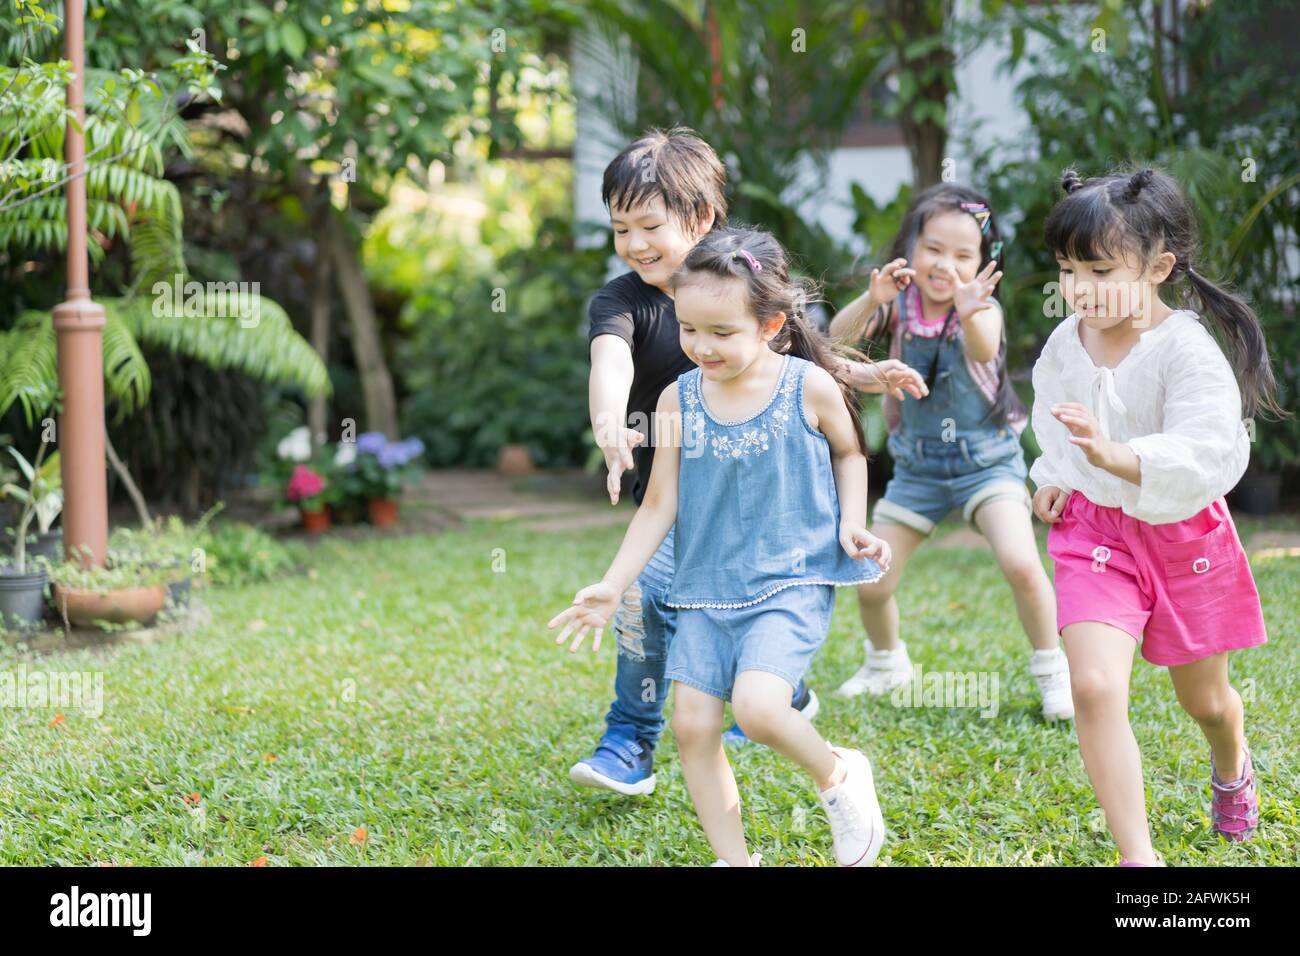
1246	347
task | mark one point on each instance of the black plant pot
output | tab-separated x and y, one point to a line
178	592
1259	493
22	599
48	545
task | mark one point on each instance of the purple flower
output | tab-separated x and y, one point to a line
389	457
371	443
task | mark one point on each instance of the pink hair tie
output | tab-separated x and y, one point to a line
754	264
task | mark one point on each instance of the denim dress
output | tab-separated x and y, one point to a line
756	542
947	451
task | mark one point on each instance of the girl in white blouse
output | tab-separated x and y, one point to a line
1139	416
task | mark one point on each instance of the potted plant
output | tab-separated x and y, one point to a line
307	490
125	590
45	488
168	545
23	579
380	470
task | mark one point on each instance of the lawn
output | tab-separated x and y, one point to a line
401	703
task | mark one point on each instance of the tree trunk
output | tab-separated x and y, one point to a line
926	140
320	332
132	490
376	382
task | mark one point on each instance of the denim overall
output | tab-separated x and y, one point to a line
947	450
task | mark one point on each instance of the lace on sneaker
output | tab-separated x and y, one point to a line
845	812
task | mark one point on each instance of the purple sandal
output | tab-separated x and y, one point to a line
1235	808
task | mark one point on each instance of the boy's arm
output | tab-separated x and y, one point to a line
608	388
658	511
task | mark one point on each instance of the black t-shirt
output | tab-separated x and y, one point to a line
644	318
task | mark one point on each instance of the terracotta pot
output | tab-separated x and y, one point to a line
315	522
515	460
382	511
122	606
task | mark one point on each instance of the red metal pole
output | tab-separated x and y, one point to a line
79	324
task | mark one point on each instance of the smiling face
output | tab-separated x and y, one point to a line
1114	289
949	240
718	332
652	242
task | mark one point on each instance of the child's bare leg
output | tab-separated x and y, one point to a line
697	727
761	703
1204	692
876	601
1101	661
1007	525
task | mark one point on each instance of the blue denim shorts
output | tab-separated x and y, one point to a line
779	635
933	478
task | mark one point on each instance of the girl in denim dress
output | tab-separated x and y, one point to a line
769	447
957	449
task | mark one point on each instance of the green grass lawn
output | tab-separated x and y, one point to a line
407	687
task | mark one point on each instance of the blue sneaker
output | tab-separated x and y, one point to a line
622	765
804	701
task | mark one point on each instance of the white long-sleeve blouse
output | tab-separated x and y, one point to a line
1173	399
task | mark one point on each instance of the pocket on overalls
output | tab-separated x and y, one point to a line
987	452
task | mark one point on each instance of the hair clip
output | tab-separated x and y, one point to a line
754	264
981	214
995	251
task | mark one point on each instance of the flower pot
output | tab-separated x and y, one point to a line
121	606
178	592
382	511
315	522
22	599
1258	493
515	460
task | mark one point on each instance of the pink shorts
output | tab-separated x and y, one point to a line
1186	586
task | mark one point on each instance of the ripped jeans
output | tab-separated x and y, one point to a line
643	629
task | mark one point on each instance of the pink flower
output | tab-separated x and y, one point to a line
304	483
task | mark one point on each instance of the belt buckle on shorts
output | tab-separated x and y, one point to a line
1200	565
1100	555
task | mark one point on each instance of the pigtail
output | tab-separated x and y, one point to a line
1247	350
799	339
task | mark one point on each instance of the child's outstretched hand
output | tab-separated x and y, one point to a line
898	378
971	297
1085	431
889	280
1049	502
591	610
860	543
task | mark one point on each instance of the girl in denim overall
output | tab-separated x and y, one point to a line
958	448
770	450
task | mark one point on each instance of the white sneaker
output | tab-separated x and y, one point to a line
1051	670
857	825
755	859
883	671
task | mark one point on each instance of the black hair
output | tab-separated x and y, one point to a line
1145	213
768	292
949	197
675	164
